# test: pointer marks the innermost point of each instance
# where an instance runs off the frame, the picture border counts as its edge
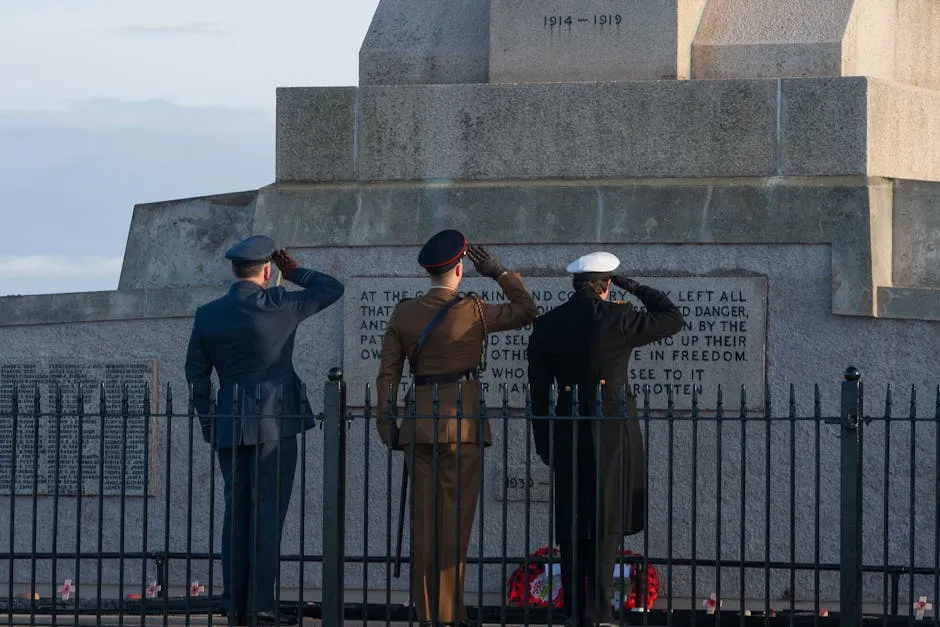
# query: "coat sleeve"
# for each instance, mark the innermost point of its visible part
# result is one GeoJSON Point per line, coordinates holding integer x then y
{"type": "Point", "coordinates": [391, 363]}
{"type": "Point", "coordinates": [661, 318]}
{"type": "Point", "coordinates": [320, 291]}
{"type": "Point", "coordinates": [520, 311]}
{"type": "Point", "coordinates": [540, 381]}
{"type": "Point", "coordinates": [198, 373]}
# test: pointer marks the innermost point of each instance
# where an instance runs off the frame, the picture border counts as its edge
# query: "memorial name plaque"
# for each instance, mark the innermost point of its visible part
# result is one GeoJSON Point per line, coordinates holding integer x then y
{"type": "Point", "coordinates": [589, 40]}
{"type": "Point", "coordinates": [93, 455]}
{"type": "Point", "coordinates": [722, 342]}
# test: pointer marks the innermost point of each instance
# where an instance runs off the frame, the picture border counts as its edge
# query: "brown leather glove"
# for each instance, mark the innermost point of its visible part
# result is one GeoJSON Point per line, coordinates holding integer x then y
{"type": "Point", "coordinates": [284, 262]}
{"type": "Point", "coordinates": [485, 262]}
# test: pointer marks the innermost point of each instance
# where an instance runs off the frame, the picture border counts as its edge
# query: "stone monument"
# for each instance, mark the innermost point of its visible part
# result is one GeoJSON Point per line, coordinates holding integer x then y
{"type": "Point", "coordinates": [776, 168]}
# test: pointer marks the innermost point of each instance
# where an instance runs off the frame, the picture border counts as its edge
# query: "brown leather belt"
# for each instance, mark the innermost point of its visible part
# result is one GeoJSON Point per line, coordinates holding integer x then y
{"type": "Point", "coordinates": [450, 377]}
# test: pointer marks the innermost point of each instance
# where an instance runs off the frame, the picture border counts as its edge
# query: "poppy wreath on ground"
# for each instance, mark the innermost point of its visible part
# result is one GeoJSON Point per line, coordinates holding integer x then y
{"type": "Point", "coordinates": [532, 581]}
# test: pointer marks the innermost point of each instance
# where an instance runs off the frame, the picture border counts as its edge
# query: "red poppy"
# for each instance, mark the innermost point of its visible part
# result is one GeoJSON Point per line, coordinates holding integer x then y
{"type": "Point", "coordinates": [532, 582]}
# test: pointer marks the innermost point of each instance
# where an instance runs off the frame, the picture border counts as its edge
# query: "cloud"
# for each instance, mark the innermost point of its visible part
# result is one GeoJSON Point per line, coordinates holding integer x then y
{"type": "Point", "coordinates": [58, 274]}
{"type": "Point", "coordinates": [191, 28]}
{"type": "Point", "coordinates": [71, 178]}
{"type": "Point", "coordinates": [62, 266]}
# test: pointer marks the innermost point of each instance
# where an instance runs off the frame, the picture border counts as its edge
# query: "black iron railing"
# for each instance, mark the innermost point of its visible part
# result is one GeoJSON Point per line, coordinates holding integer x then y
{"type": "Point", "coordinates": [800, 517]}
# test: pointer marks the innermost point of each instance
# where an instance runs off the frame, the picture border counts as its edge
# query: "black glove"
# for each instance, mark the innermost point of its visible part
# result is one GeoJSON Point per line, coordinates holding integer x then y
{"type": "Point", "coordinates": [625, 283]}
{"type": "Point", "coordinates": [485, 262]}
{"type": "Point", "coordinates": [284, 262]}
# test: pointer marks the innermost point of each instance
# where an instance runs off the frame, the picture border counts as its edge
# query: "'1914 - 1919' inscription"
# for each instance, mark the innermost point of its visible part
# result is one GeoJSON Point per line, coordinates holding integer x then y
{"type": "Point", "coordinates": [567, 21]}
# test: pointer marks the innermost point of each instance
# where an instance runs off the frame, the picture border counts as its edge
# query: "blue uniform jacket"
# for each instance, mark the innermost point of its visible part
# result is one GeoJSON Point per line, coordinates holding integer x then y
{"type": "Point", "coordinates": [247, 335]}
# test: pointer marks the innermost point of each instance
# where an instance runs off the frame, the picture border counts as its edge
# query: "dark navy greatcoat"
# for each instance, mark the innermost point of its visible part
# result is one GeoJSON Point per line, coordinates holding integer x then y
{"type": "Point", "coordinates": [247, 336]}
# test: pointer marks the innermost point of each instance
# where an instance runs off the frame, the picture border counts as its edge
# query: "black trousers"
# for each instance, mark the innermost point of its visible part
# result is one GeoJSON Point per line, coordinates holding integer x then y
{"type": "Point", "coordinates": [587, 574]}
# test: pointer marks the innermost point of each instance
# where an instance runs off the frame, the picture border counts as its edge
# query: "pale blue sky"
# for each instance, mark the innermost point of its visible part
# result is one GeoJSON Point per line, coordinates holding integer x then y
{"type": "Point", "coordinates": [108, 103]}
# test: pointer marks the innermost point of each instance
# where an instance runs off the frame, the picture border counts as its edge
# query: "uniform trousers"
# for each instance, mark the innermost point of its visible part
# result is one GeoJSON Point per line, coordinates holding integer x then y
{"type": "Point", "coordinates": [588, 584]}
{"type": "Point", "coordinates": [449, 539]}
{"type": "Point", "coordinates": [257, 480]}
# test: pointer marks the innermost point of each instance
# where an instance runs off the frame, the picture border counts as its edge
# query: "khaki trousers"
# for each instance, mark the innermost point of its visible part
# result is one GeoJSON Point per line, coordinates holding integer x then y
{"type": "Point", "coordinates": [449, 541]}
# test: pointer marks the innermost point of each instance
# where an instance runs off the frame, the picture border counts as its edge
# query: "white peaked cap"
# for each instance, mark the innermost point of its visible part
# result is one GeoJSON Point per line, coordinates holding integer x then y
{"type": "Point", "coordinates": [599, 262]}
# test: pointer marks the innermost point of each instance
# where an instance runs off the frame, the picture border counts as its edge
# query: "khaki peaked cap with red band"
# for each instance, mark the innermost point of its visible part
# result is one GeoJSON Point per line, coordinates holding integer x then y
{"type": "Point", "coordinates": [443, 251]}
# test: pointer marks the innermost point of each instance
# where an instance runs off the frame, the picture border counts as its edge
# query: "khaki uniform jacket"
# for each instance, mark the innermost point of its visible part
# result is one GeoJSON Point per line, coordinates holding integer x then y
{"type": "Point", "coordinates": [456, 344]}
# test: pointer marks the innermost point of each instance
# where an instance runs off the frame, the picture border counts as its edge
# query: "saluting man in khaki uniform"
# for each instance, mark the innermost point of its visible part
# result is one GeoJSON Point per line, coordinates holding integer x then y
{"type": "Point", "coordinates": [449, 357]}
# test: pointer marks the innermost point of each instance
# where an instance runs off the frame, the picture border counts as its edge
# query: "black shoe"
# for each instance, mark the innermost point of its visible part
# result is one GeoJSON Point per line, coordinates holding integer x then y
{"type": "Point", "coordinates": [269, 618]}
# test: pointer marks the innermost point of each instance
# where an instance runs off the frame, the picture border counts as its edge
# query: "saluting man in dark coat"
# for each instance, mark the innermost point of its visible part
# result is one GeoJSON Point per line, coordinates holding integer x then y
{"type": "Point", "coordinates": [449, 358]}
{"type": "Point", "coordinates": [247, 335]}
{"type": "Point", "coordinates": [587, 342]}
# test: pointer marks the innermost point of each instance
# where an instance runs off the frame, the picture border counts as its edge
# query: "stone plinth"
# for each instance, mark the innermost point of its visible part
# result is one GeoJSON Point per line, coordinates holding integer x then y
{"type": "Point", "coordinates": [781, 38]}
{"type": "Point", "coordinates": [426, 41]}
{"type": "Point", "coordinates": [594, 40]}
{"type": "Point", "coordinates": [821, 126]}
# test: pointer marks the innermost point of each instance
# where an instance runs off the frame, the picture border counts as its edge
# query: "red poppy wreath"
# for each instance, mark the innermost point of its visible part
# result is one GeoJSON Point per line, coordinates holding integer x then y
{"type": "Point", "coordinates": [532, 581]}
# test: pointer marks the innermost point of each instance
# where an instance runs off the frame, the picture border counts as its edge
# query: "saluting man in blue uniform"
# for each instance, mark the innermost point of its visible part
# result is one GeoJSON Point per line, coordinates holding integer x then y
{"type": "Point", "coordinates": [247, 335]}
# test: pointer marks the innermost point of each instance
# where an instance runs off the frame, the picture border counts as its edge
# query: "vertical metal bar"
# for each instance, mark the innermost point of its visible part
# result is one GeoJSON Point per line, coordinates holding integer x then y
{"type": "Point", "coordinates": [212, 435]}
{"type": "Point", "coordinates": [643, 588]}
{"type": "Point", "coordinates": [670, 481]}
{"type": "Point", "coordinates": [481, 411]}
{"type": "Point", "coordinates": [37, 416]}
{"type": "Point", "coordinates": [307, 412]}
{"type": "Point", "coordinates": [694, 548]}
{"type": "Point", "coordinates": [278, 479]}
{"type": "Point", "coordinates": [505, 539]}
{"type": "Point", "coordinates": [234, 601]}
{"type": "Point", "coordinates": [575, 536]}
{"type": "Point", "coordinates": [622, 456]}
{"type": "Point", "coordinates": [13, 493]}
{"type": "Point", "coordinates": [851, 511]}
{"type": "Point", "coordinates": [367, 418]}
{"type": "Point", "coordinates": [551, 502]}
{"type": "Point", "coordinates": [334, 478]}
{"type": "Point", "coordinates": [55, 492]}
{"type": "Point", "coordinates": [412, 413]}
{"type": "Point", "coordinates": [125, 416]}
{"type": "Point", "coordinates": [190, 420]}
{"type": "Point", "coordinates": [80, 416]}
{"type": "Point", "coordinates": [742, 537]}
{"type": "Point", "coordinates": [435, 506]}
{"type": "Point", "coordinates": [459, 556]}
{"type": "Point", "coordinates": [912, 502]}
{"type": "Point", "coordinates": [817, 421]}
{"type": "Point", "coordinates": [792, 414]}
{"type": "Point", "coordinates": [936, 493]}
{"type": "Point", "coordinates": [389, 415]}
{"type": "Point", "coordinates": [595, 432]}
{"type": "Point", "coordinates": [528, 503]}
{"type": "Point", "coordinates": [768, 431]}
{"type": "Point", "coordinates": [102, 414]}
{"type": "Point", "coordinates": [255, 511]}
{"type": "Point", "coordinates": [163, 581]}
{"type": "Point", "coordinates": [145, 500]}
{"type": "Point", "coordinates": [719, 419]}
{"type": "Point", "coordinates": [886, 506]}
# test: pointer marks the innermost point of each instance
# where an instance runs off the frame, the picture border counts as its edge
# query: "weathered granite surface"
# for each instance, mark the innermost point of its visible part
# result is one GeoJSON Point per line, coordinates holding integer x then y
{"type": "Point", "coordinates": [534, 41]}
{"type": "Point", "coordinates": [819, 126]}
{"type": "Point", "coordinates": [426, 42]}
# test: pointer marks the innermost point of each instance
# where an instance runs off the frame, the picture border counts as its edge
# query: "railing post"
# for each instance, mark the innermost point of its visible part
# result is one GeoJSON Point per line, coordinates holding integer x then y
{"type": "Point", "coordinates": [334, 497]}
{"type": "Point", "coordinates": [850, 581]}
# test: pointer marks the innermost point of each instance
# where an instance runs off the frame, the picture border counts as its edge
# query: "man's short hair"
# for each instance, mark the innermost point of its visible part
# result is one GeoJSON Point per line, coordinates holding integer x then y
{"type": "Point", "coordinates": [247, 269]}
{"type": "Point", "coordinates": [595, 285]}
